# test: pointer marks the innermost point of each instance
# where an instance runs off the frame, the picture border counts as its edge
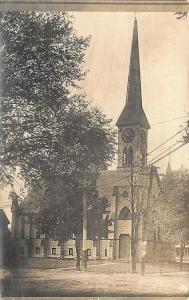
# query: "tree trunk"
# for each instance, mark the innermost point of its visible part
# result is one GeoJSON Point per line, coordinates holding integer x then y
{"type": "Point", "coordinates": [133, 255]}
{"type": "Point", "coordinates": [78, 253]}
{"type": "Point", "coordinates": [182, 247]}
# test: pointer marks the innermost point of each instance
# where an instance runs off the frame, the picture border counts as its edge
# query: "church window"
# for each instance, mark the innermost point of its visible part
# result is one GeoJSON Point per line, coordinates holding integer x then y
{"type": "Point", "coordinates": [70, 251]}
{"type": "Point", "coordinates": [125, 194]}
{"type": "Point", "coordinates": [88, 252]}
{"type": "Point", "coordinates": [37, 250]}
{"type": "Point", "coordinates": [53, 251]}
{"type": "Point", "coordinates": [124, 156]}
{"type": "Point", "coordinates": [125, 214]}
{"type": "Point", "coordinates": [106, 252]}
{"type": "Point", "coordinates": [130, 156]}
{"type": "Point", "coordinates": [143, 157]}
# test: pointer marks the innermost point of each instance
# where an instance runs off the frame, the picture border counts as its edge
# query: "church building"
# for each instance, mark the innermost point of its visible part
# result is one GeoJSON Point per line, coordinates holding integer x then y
{"type": "Point", "coordinates": [130, 189]}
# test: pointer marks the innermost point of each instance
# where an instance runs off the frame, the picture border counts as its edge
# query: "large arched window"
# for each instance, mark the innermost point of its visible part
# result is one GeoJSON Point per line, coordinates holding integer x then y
{"type": "Point", "coordinates": [128, 156]}
{"type": "Point", "coordinates": [125, 214]}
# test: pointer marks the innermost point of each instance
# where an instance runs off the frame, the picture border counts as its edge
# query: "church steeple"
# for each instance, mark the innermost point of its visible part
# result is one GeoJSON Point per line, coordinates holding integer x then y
{"type": "Point", "coordinates": [168, 170]}
{"type": "Point", "coordinates": [133, 113]}
{"type": "Point", "coordinates": [132, 123]}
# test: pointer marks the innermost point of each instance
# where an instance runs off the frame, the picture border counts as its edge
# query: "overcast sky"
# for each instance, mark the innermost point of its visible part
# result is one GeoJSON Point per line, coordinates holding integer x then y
{"type": "Point", "coordinates": [164, 59]}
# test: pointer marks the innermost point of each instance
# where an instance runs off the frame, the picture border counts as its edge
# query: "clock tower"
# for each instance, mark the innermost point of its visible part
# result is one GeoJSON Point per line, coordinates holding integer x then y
{"type": "Point", "coordinates": [132, 123]}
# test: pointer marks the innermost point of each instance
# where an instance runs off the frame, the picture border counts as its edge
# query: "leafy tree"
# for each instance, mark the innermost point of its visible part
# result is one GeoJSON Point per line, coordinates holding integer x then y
{"type": "Point", "coordinates": [50, 133]}
{"type": "Point", "coordinates": [98, 217]}
{"type": "Point", "coordinates": [171, 211]}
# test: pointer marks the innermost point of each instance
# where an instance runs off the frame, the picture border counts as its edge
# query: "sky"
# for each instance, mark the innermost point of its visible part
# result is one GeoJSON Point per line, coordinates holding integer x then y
{"type": "Point", "coordinates": [164, 60]}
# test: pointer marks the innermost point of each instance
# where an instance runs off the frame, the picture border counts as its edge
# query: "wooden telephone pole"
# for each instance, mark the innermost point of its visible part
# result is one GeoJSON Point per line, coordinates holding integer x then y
{"type": "Point", "coordinates": [133, 242]}
{"type": "Point", "coordinates": [84, 252]}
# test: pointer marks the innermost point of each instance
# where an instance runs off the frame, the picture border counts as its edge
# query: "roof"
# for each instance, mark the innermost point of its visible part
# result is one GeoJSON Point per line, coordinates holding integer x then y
{"type": "Point", "coordinates": [133, 113]}
{"type": "Point", "coordinates": [108, 180]}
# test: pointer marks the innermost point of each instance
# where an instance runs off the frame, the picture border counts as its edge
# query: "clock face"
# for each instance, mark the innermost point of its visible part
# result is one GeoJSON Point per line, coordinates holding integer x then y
{"type": "Point", "coordinates": [128, 135]}
{"type": "Point", "coordinates": [143, 136]}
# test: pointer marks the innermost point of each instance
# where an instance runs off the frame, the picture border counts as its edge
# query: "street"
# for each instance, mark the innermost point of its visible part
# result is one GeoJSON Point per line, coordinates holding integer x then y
{"type": "Point", "coordinates": [95, 282]}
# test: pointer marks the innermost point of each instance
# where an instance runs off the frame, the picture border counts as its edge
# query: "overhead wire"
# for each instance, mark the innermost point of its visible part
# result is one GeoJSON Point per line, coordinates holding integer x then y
{"type": "Point", "coordinates": [154, 162]}
{"type": "Point", "coordinates": [167, 149]}
{"type": "Point", "coordinates": [166, 121]}
{"type": "Point", "coordinates": [167, 140]}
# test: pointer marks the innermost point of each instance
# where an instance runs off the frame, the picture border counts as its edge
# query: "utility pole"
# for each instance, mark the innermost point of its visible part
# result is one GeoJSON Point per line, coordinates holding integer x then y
{"type": "Point", "coordinates": [84, 252]}
{"type": "Point", "coordinates": [133, 245]}
{"type": "Point", "coordinates": [146, 221]}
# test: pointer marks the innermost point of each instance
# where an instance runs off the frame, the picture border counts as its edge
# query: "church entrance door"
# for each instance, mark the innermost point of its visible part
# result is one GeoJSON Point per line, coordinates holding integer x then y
{"type": "Point", "coordinates": [124, 246]}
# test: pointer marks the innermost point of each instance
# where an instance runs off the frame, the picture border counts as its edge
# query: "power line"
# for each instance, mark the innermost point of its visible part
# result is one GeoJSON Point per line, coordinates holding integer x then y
{"type": "Point", "coordinates": [167, 149]}
{"type": "Point", "coordinates": [162, 122]}
{"type": "Point", "coordinates": [168, 153]}
{"type": "Point", "coordinates": [167, 140]}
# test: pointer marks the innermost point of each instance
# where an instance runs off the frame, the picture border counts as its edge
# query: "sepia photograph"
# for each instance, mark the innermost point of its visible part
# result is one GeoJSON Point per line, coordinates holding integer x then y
{"type": "Point", "coordinates": [94, 154]}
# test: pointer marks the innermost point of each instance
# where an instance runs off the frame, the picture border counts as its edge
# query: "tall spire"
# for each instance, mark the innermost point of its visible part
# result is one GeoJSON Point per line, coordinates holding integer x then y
{"type": "Point", "coordinates": [168, 170]}
{"type": "Point", "coordinates": [133, 113]}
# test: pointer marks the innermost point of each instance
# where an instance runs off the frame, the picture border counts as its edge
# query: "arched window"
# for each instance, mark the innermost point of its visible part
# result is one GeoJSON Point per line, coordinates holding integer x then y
{"type": "Point", "coordinates": [125, 214]}
{"type": "Point", "coordinates": [70, 251]}
{"type": "Point", "coordinates": [127, 156]}
{"type": "Point", "coordinates": [88, 252]}
{"type": "Point", "coordinates": [130, 156]}
{"type": "Point", "coordinates": [142, 156]}
{"type": "Point", "coordinates": [124, 156]}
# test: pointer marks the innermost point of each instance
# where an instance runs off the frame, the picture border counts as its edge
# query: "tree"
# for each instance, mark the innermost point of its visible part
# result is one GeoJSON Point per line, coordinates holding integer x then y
{"type": "Point", "coordinates": [181, 15]}
{"type": "Point", "coordinates": [98, 218]}
{"type": "Point", "coordinates": [171, 211]}
{"type": "Point", "coordinates": [50, 133]}
{"type": "Point", "coordinates": [141, 186]}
